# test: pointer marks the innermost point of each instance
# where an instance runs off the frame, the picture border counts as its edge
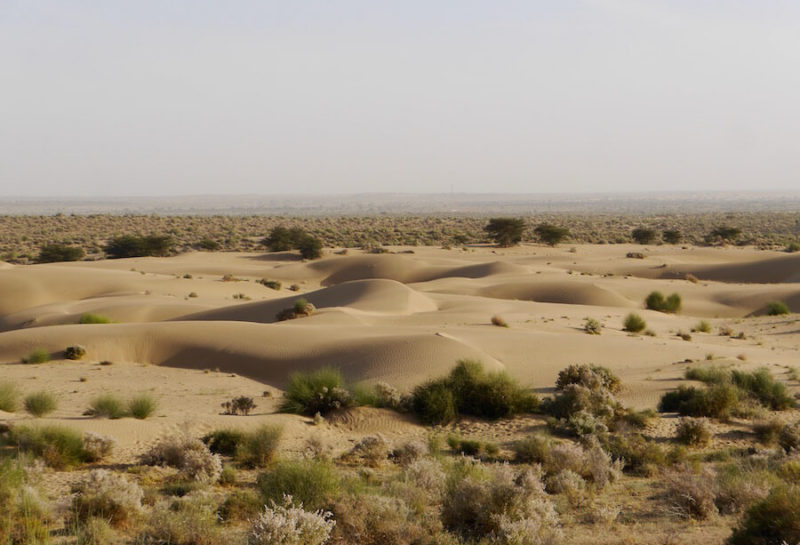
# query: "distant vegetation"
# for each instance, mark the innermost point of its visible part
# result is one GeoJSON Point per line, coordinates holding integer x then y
{"type": "Point", "coordinates": [139, 246]}
{"type": "Point", "coordinates": [282, 239]}
{"type": "Point", "coordinates": [551, 234]}
{"type": "Point", "coordinates": [51, 253]}
{"type": "Point", "coordinates": [643, 235]}
{"type": "Point", "coordinates": [505, 232]}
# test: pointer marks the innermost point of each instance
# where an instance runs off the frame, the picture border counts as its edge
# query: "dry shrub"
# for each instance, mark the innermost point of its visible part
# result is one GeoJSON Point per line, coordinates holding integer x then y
{"type": "Point", "coordinates": [768, 432]}
{"type": "Point", "coordinates": [288, 524]}
{"type": "Point", "coordinates": [371, 451]}
{"type": "Point", "coordinates": [191, 520]}
{"type": "Point", "coordinates": [499, 321]}
{"type": "Point", "coordinates": [378, 520]}
{"type": "Point", "coordinates": [691, 494]}
{"type": "Point", "coordinates": [570, 484]}
{"type": "Point", "coordinates": [499, 504]}
{"type": "Point", "coordinates": [740, 487]}
{"type": "Point", "coordinates": [694, 432]}
{"type": "Point", "coordinates": [96, 531]}
{"type": "Point", "coordinates": [534, 449]}
{"type": "Point", "coordinates": [189, 455]}
{"type": "Point", "coordinates": [789, 438]}
{"type": "Point", "coordinates": [97, 446]}
{"type": "Point", "coordinates": [106, 495]}
{"type": "Point", "coordinates": [410, 452]}
{"type": "Point", "coordinates": [566, 456]}
{"type": "Point", "coordinates": [426, 474]}
{"type": "Point", "coordinates": [600, 467]}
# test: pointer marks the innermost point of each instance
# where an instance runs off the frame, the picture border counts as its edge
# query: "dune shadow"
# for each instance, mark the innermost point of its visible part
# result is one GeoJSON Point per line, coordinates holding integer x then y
{"type": "Point", "coordinates": [276, 256]}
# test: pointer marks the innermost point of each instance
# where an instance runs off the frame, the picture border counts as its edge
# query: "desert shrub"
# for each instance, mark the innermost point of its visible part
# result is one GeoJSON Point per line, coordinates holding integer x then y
{"type": "Point", "coordinates": [575, 398]}
{"type": "Point", "coordinates": [570, 484]}
{"type": "Point", "coordinates": [643, 235]}
{"type": "Point", "coordinates": [310, 247]}
{"type": "Point", "coordinates": [24, 516]}
{"type": "Point", "coordinates": [410, 452]}
{"type": "Point", "coordinates": [767, 432]}
{"type": "Point", "coordinates": [764, 388]}
{"type": "Point", "coordinates": [426, 474]}
{"type": "Point", "coordinates": [723, 234]}
{"type": "Point", "coordinates": [637, 419]}
{"type": "Point", "coordinates": [469, 447]}
{"type": "Point", "coordinates": [551, 234]}
{"type": "Point", "coordinates": [95, 531]}
{"type": "Point", "coordinates": [106, 406]}
{"type": "Point", "coordinates": [656, 301]}
{"type": "Point", "coordinates": [271, 284]}
{"type": "Point", "coordinates": [190, 520]}
{"type": "Point", "coordinates": [299, 308]}
{"type": "Point", "coordinates": [55, 252]}
{"type": "Point", "coordinates": [534, 449]}
{"type": "Point", "coordinates": [702, 326]}
{"type": "Point", "coordinates": [9, 397]}
{"type": "Point", "coordinates": [108, 495]}
{"type": "Point", "coordinates": [371, 451]}
{"type": "Point", "coordinates": [599, 467]}
{"type": "Point", "coordinates": [142, 406]}
{"type": "Point", "coordinates": [239, 405]}
{"type": "Point", "coordinates": [139, 246]}
{"type": "Point", "coordinates": [208, 244]}
{"type": "Point", "coordinates": [190, 456]}
{"type": "Point", "coordinates": [499, 321]}
{"type": "Point", "coordinates": [715, 402]}
{"type": "Point", "coordinates": [96, 447]}
{"type": "Point", "coordinates": [505, 232]}
{"type": "Point", "coordinates": [777, 308]}
{"type": "Point", "coordinates": [591, 376]}
{"type": "Point", "coordinates": [90, 318]}
{"type": "Point", "coordinates": [694, 432]}
{"type": "Point", "coordinates": [671, 236]}
{"type": "Point", "coordinates": [792, 247]}
{"type": "Point", "coordinates": [773, 520]}
{"type": "Point", "coordinates": [739, 486]}
{"type": "Point", "coordinates": [74, 352]}
{"type": "Point", "coordinates": [40, 403]}
{"type": "Point", "coordinates": [372, 519]}
{"type": "Point", "coordinates": [313, 483]}
{"type": "Point", "coordinates": [434, 403]}
{"type": "Point", "coordinates": [789, 439]}
{"type": "Point", "coordinates": [640, 456]}
{"type": "Point", "coordinates": [320, 391]}
{"type": "Point", "coordinates": [498, 503]}
{"type": "Point", "coordinates": [58, 446]}
{"type": "Point", "coordinates": [282, 239]}
{"type": "Point", "coordinates": [37, 355]}
{"type": "Point", "coordinates": [240, 505]}
{"type": "Point", "coordinates": [387, 396]}
{"type": "Point", "coordinates": [592, 326]}
{"type": "Point", "coordinates": [224, 441]}
{"type": "Point", "coordinates": [691, 493]}
{"type": "Point", "coordinates": [258, 447]}
{"type": "Point", "coordinates": [634, 323]}
{"type": "Point", "coordinates": [709, 375]}
{"type": "Point", "coordinates": [290, 524]}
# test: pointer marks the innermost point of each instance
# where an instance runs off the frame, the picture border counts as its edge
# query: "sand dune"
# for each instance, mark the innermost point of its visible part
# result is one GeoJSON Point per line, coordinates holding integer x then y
{"type": "Point", "coordinates": [571, 293]}
{"type": "Point", "coordinates": [771, 270]}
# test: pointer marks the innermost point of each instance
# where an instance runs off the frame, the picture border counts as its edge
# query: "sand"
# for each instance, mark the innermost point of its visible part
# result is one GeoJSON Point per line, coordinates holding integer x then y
{"type": "Point", "coordinates": [194, 340]}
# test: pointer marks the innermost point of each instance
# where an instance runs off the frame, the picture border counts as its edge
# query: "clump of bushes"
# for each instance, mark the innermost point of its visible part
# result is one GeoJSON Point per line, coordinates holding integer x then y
{"type": "Point", "coordinates": [301, 307]}
{"type": "Point", "coordinates": [590, 376]}
{"type": "Point", "coordinates": [320, 391]}
{"type": "Point", "coordinates": [107, 495]}
{"type": "Point", "coordinates": [74, 352]}
{"type": "Point", "coordinates": [772, 520]}
{"type": "Point", "coordinates": [777, 308]}
{"type": "Point", "coordinates": [470, 390]}
{"type": "Point", "coordinates": [694, 432]}
{"type": "Point", "coordinates": [239, 405]}
{"type": "Point", "coordinates": [139, 246]}
{"type": "Point", "coordinates": [58, 446]}
{"type": "Point", "coordinates": [40, 403]}
{"type": "Point", "coordinates": [189, 455]}
{"type": "Point", "coordinates": [691, 493]}
{"type": "Point", "coordinates": [56, 252]}
{"type": "Point", "coordinates": [715, 402]}
{"type": "Point", "coordinates": [634, 323]}
{"type": "Point", "coordinates": [282, 239]}
{"type": "Point", "coordinates": [656, 301]}
{"type": "Point", "coordinates": [290, 524]}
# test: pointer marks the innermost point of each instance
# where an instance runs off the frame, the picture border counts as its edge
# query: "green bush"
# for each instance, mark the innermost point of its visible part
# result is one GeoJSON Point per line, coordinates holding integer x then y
{"type": "Point", "coordinates": [694, 432]}
{"type": "Point", "coordinates": [534, 449]}
{"type": "Point", "coordinates": [106, 406]}
{"type": "Point", "coordinates": [55, 252]}
{"type": "Point", "coordinates": [311, 482]}
{"type": "Point", "coordinates": [9, 397]}
{"type": "Point", "coordinates": [771, 521]}
{"type": "Point", "coordinates": [90, 318]}
{"type": "Point", "coordinates": [320, 391]}
{"type": "Point", "coordinates": [763, 387]}
{"type": "Point", "coordinates": [590, 376]}
{"type": "Point", "coordinates": [642, 456]}
{"type": "Point", "coordinates": [142, 406]}
{"type": "Point", "coordinates": [469, 390]}
{"type": "Point", "coordinates": [656, 301]}
{"type": "Point", "coordinates": [634, 323]}
{"type": "Point", "coordinates": [37, 355]}
{"type": "Point", "coordinates": [702, 326]}
{"type": "Point", "coordinates": [59, 447]}
{"type": "Point", "coordinates": [777, 308]}
{"type": "Point", "coordinates": [281, 239]}
{"type": "Point", "coordinates": [40, 403]}
{"type": "Point", "coordinates": [709, 375]}
{"type": "Point", "coordinates": [714, 402]}
{"type": "Point", "coordinates": [551, 234]}
{"type": "Point", "coordinates": [258, 447]}
{"type": "Point", "coordinates": [139, 246]}
{"type": "Point", "coordinates": [224, 441]}
{"type": "Point", "coordinates": [505, 232]}
{"type": "Point", "coordinates": [310, 247]}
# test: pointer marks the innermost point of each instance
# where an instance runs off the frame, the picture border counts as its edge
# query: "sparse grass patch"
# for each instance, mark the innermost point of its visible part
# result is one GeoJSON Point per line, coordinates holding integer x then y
{"type": "Point", "coordinates": [106, 406]}
{"type": "Point", "coordinates": [90, 318]}
{"type": "Point", "coordinates": [592, 326]}
{"type": "Point", "coordinates": [142, 406]}
{"type": "Point", "coordinates": [768, 432]}
{"type": "Point", "coordinates": [258, 447]}
{"type": "Point", "coordinates": [777, 308]}
{"type": "Point", "coordinates": [37, 355]}
{"type": "Point", "coordinates": [702, 327]}
{"type": "Point", "coordinates": [312, 482]}
{"type": "Point", "coordinates": [58, 446]}
{"type": "Point", "coordinates": [40, 403]}
{"type": "Point", "coordinates": [9, 397]}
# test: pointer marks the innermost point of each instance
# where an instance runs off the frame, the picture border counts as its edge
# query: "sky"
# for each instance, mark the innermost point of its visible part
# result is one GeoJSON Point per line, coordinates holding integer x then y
{"type": "Point", "coordinates": [152, 97]}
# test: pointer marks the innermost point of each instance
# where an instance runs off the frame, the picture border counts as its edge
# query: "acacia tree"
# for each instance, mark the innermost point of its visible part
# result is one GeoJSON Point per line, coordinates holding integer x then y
{"type": "Point", "coordinates": [643, 235]}
{"type": "Point", "coordinates": [671, 236]}
{"type": "Point", "coordinates": [551, 234]}
{"type": "Point", "coordinates": [505, 231]}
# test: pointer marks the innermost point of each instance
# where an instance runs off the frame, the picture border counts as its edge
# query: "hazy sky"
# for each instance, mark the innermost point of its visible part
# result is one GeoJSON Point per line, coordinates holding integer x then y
{"type": "Point", "coordinates": [141, 97]}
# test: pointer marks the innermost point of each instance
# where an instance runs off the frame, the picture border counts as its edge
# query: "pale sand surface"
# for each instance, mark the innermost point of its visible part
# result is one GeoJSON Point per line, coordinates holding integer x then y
{"type": "Point", "coordinates": [399, 317]}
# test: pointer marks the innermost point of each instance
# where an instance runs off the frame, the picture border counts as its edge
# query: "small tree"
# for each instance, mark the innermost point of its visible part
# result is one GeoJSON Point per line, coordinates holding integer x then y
{"type": "Point", "coordinates": [505, 231]}
{"type": "Point", "coordinates": [551, 234]}
{"type": "Point", "coordinates": [280, 239]}
{"type": "Point", "coordinates": [139, 246]}
{"type": "Point", "coordinates": [310, 247]}
{"type": "Point", "coordinates": [643, 235]}
{"type": "Point", "coordinates": [672, 236]}
{"type": "Point", "coordinates": [52, 253]}
{"type": "Point", "coordinates": [724, 234]}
